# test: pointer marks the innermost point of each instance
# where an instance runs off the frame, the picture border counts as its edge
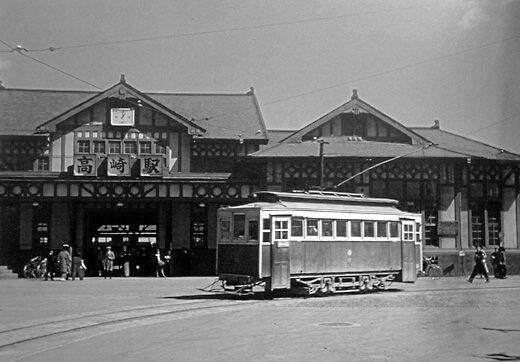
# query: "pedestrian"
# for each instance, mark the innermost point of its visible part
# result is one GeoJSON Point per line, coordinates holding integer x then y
{"type": "Point", "coordinates": [64, 262]}
{"type": "Point", "coordinates": [78, 266]}
{"type": "Point", "coordinates": [480, 265]}
{"type": "Point", "coordinates": [495, 264]}
{"type": "Point", "coordinates": [159, 266]}
{"type": "Point", "coordinates": [49, 268]}
{"type": "Point", "coordinates": [168, 259]}
{"type": "Point", "coordinates": [100, 258]}
{"type": "Point", "coordinates": [126, 261]}
{"type": "Point", "coordinates": [501, 263]}
{"type": "Point", "coordinates": [108, 262]}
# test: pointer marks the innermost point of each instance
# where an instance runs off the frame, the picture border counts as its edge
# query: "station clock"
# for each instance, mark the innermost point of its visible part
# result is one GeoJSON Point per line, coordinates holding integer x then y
{"type": "Point", "coordinates": [122, 116]}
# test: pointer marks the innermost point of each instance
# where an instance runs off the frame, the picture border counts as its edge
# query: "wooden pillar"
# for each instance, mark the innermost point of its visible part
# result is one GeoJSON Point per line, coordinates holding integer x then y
{"type": "Point", "coordinates": [80, 229]}
{"type": "Point", "coordinates": [212, 225]}
{"type": "Point", "coordinates": [26, 226]}
{"type": "Point", "coordinates": [161, 226]}
{"type": "Point", "coordinates": [60, 224]}
{"type": "Point", "coordinates": [180, 221]}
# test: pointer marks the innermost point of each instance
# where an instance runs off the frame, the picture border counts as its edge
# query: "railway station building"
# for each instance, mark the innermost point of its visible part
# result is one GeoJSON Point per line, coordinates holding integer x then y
{"type": "Point", "coordinates": [147, 170]}
{"type": "Point", "coordinates": [122, 167]}
{"type": "Point", "coordinates": [467, 191]}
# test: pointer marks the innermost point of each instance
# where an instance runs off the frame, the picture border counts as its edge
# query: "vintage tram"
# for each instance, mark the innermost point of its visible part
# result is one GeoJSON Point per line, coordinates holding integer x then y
{"type": "Point", "coordinates": [316, 241]}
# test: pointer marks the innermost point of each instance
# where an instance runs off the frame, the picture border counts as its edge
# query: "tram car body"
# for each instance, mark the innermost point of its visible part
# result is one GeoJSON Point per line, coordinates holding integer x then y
{"type": "Point", "coordinates": [316, 242]}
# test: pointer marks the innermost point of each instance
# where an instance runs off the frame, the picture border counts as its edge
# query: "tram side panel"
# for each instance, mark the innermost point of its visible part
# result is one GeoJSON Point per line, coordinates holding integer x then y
{"type": "Point", "coordinates": [319, 257]}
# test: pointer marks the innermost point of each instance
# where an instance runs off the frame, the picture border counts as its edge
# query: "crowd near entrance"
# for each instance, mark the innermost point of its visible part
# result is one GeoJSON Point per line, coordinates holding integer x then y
{"type": "Point", "coordinates": [131, 234]}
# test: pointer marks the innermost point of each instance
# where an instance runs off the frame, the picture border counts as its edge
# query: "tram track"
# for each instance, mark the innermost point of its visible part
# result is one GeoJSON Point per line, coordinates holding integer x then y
{"type": "Point", "coordinates": [51, 334]}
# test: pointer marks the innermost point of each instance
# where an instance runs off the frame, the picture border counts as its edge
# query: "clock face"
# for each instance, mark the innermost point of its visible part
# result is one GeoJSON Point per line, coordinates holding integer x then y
{"type": "Point", "coordinates": [122, 116]}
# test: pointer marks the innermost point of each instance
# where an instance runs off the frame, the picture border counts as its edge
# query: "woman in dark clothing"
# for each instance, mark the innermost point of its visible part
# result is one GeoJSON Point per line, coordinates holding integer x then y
{"type": "Point", "coordinates": [49, 273]}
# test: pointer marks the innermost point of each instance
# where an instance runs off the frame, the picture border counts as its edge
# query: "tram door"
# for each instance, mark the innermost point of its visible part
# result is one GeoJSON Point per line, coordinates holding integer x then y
{"type": "Point", "coordinates": [408, 251]}
{"type": "Point", "coordinates": [280, 265]}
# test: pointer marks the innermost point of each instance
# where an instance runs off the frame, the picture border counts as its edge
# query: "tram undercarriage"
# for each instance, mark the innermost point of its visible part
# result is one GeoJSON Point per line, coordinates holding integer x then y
{"type": "Point", "coordinates": [304, 285]}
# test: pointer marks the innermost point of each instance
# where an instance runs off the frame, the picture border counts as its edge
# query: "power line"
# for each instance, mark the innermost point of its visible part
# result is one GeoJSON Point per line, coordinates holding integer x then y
{"type": "Point", "coordinates": [389, 71]}
{"type": "Point", "coordinates": [216, 31]}
{"type": "Point", "coordinates": [61, 71]}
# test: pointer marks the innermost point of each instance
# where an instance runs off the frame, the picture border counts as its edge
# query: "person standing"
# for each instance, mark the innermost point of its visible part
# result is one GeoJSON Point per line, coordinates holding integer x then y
{"type": "Point", "coordinates": [126, 261]}
{"type": "Point", "coordinates": [64, 262]}
{"type": "Point", "coordinates": [108, 262]}
{"type": "Point", "coordinates": [501, 263]}
{"type": "Point", "coordinates": [78, 266]}
{"type": "Point", "coordinates": [159, 264]}
{"type": "Point", "coordinates": [49, 272]}
{"type": "Point", "coordinates": [480, 265]}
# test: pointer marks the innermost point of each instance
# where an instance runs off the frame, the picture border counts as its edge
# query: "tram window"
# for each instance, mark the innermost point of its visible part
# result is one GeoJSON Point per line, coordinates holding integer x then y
{"type": "Point", "coordinates": [355, 228]}
{"type": "Point", "coordinates": [281, 229]}
{"type": "Point", "coordinates": [266, 233]}
{"type": "Point", "coordinates": [394, 229]}
{"type": "Point", "coordinates": [369, 229]}
{"type": "Point", "coordinates": [408, 231]}
{"type": "Point", "coordinates": [297, 227]}
{"type": "Point", "coordinates": [239, 227]}
{"type": "Point", "coordinates": [312, 227]}
{"type": "Point", "coordinates": [382, 231]}
{"type": "Point", "coordinates": [341, 228]}
{"type": "Point", "coordinates": [253, 230]}
{"type": "Point", "coordinates": [326, 228]}
{"type": "Point", "coordinates": [224, 229]}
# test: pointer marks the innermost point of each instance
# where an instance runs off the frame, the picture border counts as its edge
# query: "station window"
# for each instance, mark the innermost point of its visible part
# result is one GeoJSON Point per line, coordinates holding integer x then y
{"type": "Point", "coordinates": [239, 227]}
{"type": "Point", "coordinates": [312, 227]}
{"type": "Point", "coordinates": [114, 147]}
{"type": "Point", "coordinates": [394, 229]}
{"type": "Point", "coordinates": [326, 228]}
{"type": "Point", "coordinates": [99, 147]}
{"type": "Point", "coordinates": [417, 231]}
{"type": "Point", "coordinates": [266, 231]}
{"type": "Point", "coordinates": [83, 146]}
{"type": "Point", "coordinates": [408, 231]}
{"type": "Point", "coordinates": [297, 227]}
{"type": "Point", "coordinates": [369, 229]}
{"type": "Point", "coordinates": [281, 229]}
{"type": "Point", "coordinates": [355, 228]}
{"type": "Point", "coordinates": [224, 229]}
{"type": "Point", "coordinates": [130, 147]}
{"type": "Point", "coordinates": [253, 230]}
{"type": "Point", "coordinates": [382, 231]}
{"type": "Point", "coordinates": [341, 228]}
{"type": "Point", "coordinates": [145, 147]}
{"type": "Point", "coordinates": [42, 164]}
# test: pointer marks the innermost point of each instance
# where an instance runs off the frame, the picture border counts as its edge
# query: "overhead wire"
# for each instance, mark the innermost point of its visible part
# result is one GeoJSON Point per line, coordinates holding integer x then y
{"type": "Point", "coordinates": [216, 31]}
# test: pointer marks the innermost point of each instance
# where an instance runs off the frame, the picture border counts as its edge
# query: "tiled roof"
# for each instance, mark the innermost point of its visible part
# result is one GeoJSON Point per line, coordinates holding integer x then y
{"type": "Point", "coordinates": [350, 147]}
{"type": "Point", "coordinates": [222, 115]}
{"type": "Point", "coordinates": [463, 145]}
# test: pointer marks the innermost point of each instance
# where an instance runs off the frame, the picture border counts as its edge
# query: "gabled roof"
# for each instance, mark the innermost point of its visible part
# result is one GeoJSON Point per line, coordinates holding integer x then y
{"type": "Point", "coordinates": [219, 116]}
{"type": "Point", "coordinates": [355, 102]}
{"type": "Point", "coordinates": [120, 90]}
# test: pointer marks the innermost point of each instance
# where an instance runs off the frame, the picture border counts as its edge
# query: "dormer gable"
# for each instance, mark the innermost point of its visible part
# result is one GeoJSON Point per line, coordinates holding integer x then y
{"type": "Point", "coordinates": [357, 119]}
{"type": "Point", "coordinates": [122, 96]}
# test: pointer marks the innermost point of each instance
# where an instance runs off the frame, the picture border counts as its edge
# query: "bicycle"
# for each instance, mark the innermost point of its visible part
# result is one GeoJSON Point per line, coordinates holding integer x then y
{"type": "Point", "coordinates": [432, 270]}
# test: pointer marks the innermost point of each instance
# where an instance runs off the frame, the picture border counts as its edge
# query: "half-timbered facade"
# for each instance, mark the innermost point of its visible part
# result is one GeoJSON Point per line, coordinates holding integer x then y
{"type": "Point", "coordinates": [468, 192]}
{"type": "Point", "coordinates": [122, 167]}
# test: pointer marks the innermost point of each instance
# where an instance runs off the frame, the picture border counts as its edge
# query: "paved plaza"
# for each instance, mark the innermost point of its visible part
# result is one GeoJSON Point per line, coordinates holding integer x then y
{"type": "Point", "coordinates": [170, 319]}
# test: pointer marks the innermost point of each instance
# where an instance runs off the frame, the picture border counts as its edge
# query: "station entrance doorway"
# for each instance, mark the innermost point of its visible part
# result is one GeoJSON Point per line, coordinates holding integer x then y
{"type": "Point", "coordinates": [132, 234]}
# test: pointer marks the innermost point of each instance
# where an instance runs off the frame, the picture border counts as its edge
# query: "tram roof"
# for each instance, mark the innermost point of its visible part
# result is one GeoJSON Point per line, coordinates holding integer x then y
{"type": "Point", "coordinates": [315, 207]}
{"type": "Point", "coordinates": [321, 197]}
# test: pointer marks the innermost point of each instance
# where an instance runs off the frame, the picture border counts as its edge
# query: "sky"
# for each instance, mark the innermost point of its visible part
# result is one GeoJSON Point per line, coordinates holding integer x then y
{"type": "Point", "coordinates": [456, 61]}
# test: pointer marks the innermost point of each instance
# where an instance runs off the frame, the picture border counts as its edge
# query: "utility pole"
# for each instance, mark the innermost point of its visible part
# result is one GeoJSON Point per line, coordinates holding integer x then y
{"type": "Point", "coordinates": [322, 164]}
